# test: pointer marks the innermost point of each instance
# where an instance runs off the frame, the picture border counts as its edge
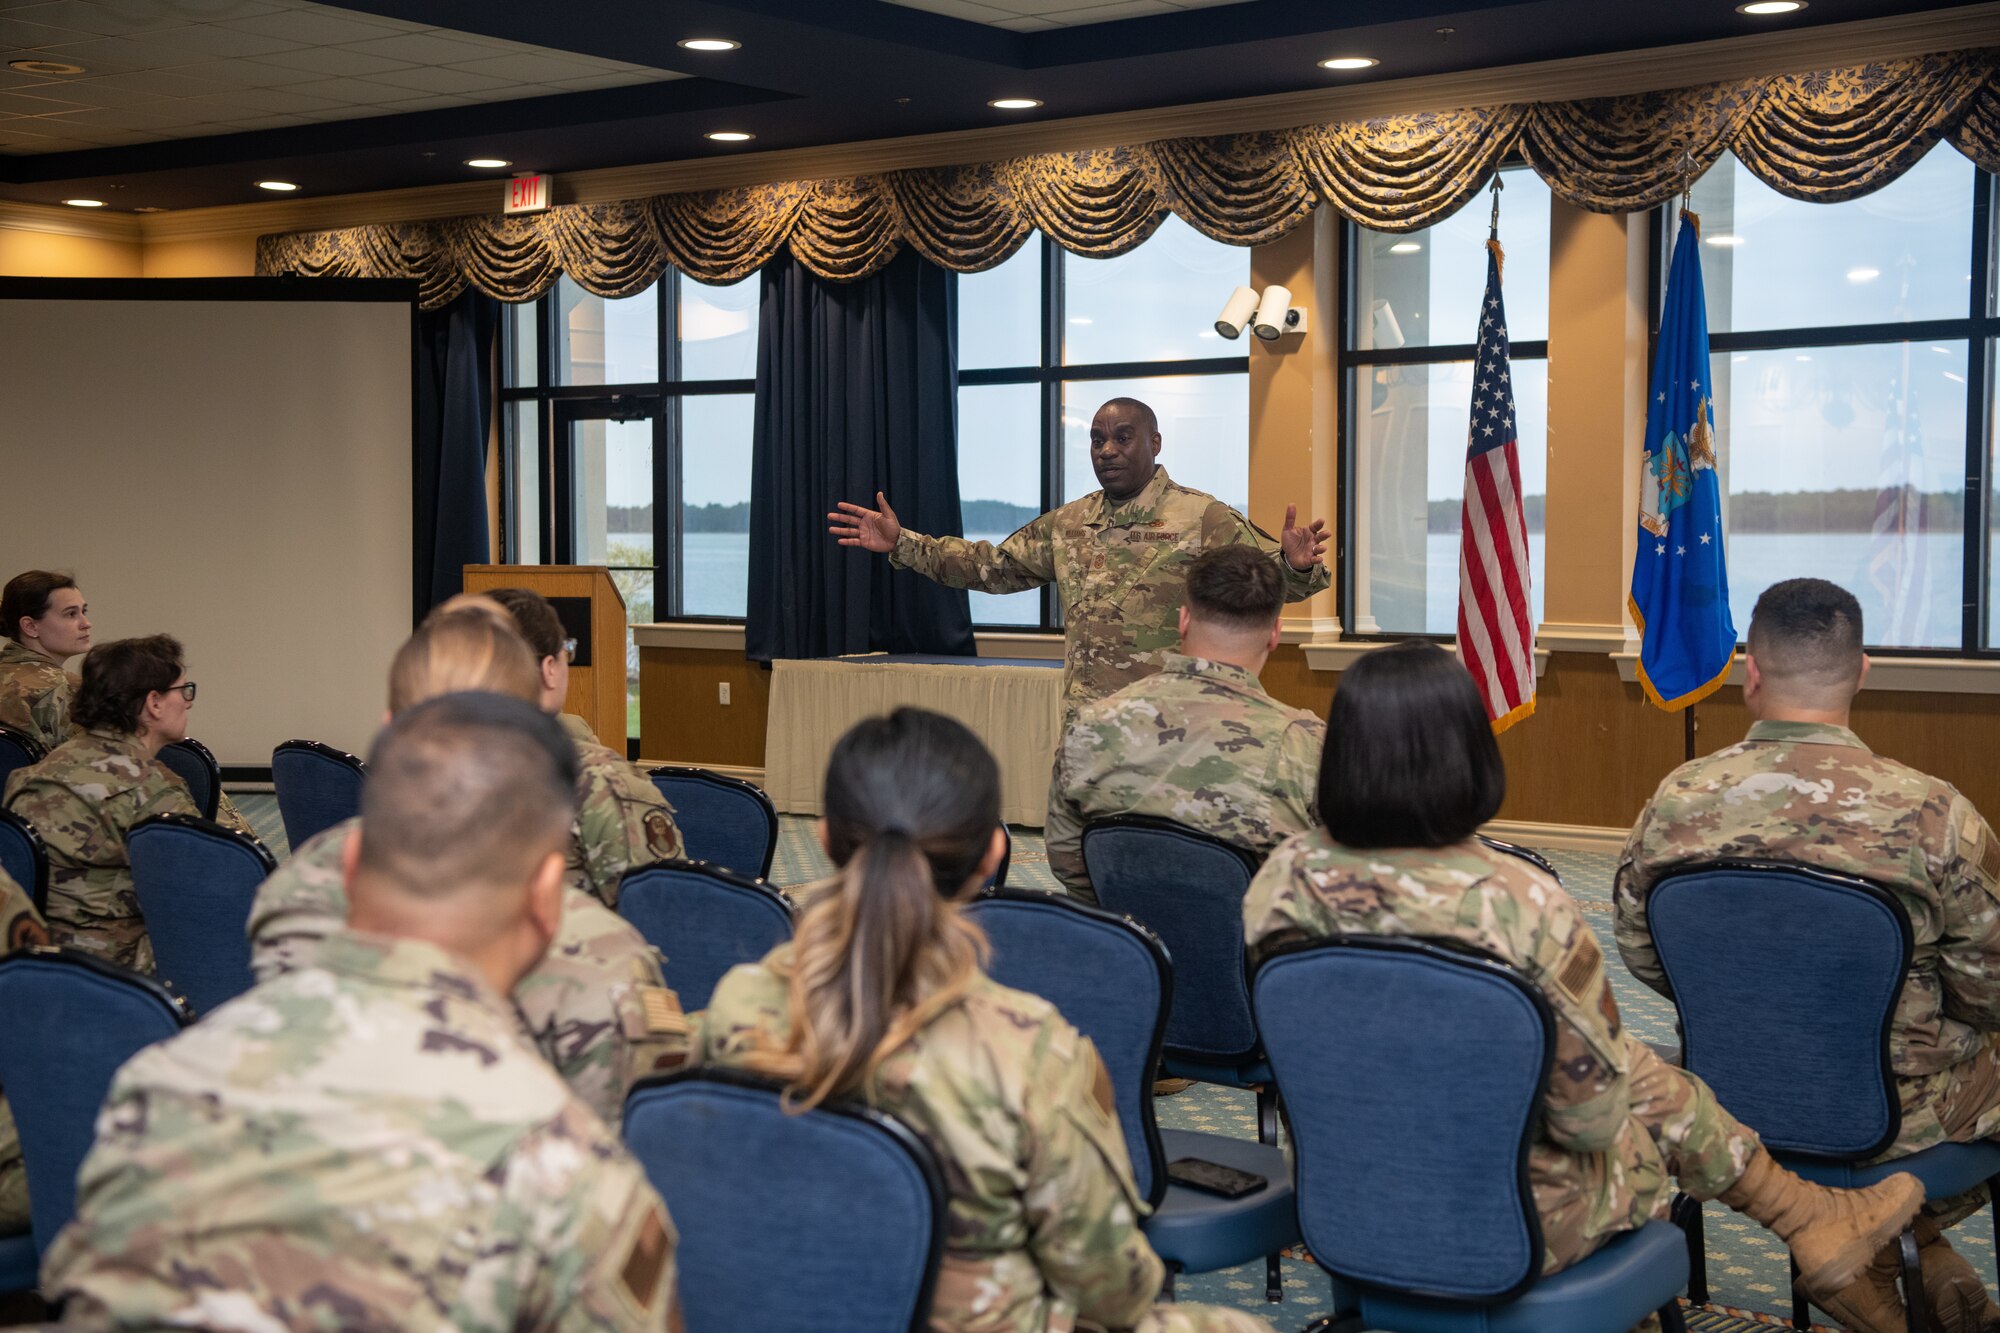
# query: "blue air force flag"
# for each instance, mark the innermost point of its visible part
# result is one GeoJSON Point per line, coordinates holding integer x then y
{"type": "Point", "coordinates": [1680, 589]}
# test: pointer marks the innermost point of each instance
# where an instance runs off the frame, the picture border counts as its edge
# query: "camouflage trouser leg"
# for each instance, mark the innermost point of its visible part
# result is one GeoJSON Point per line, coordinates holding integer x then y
{"type": "Point", "coordinates": [1955, 1105]}
{"type": "Point", "coordinates": [13, 1177]}
{"type": "Point", "coordinates": [1196, 1319]}
{"type": "Point", "coordinates": [123, 941]}
{"type": "Point", "coordinates": [1704, 1146]}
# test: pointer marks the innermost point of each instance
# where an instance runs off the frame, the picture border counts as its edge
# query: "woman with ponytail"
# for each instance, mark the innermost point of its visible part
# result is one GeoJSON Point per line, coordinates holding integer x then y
{"type": "Point", "coordinates": [880, 996]}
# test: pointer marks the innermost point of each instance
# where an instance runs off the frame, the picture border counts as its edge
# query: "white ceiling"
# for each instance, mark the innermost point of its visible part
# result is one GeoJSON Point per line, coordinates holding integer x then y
{"type": "Point", "coordinates": [1041, 15]}
{"type": "Point", "coordinates": [177, 69]}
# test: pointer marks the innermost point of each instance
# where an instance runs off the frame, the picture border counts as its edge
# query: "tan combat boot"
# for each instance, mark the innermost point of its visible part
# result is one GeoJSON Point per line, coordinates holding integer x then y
{"type": "Point", "coordinates": [1953, 1289]}
{"type": "Point", "coordinates": [1833, 1233]}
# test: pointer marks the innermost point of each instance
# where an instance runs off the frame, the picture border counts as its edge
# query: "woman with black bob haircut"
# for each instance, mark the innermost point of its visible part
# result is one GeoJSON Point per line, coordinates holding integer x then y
{"type": "Point", "coordinates": [879, 996]}
{"type": "Point", "coordinates": [1409, 773]}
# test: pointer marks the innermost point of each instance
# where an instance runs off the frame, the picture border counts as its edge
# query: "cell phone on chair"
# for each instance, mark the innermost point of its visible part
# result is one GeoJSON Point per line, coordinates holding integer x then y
{"type": "Point", "coordinates": [1214, 1177]}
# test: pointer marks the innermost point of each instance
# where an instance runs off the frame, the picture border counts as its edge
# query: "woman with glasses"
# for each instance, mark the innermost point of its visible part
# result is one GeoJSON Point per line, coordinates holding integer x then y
{"type": "Point", "coordinates": [90, 790]}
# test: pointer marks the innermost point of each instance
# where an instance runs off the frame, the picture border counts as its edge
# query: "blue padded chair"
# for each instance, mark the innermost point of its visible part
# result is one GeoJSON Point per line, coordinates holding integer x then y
{"type": "Point", "coordinates": [1533, 858]}
{"type": "Point", "coordinates": [20, 1264]}
{"type": "Point", "coordinates": [24, 858]}
{"type": "Point", "coordinates": [196, 880]}
{"type": "Point", "coordinates": [704, 920]}
{"type": "Point", "coordinates": [318, 787]}
{"type": "Point", "coordinates": [89, 1017]}
{"type": "Point", "coordinates": [1405, 1064]}
{"type": "Point", "coordinates": [724, 821]}
{"type": "Point", "coordinates": [1786, 980]}
{"type": "Point", "coordinates": [17, 750]}
{"type": "Point", "coordinates": [1188, 888]}
{"type": "Point", "coordinates": [850, 1198]}
{"type": "Point", "coordinates": [193, 764]}
{"type": "Point", "coordinates": [1111, 978]}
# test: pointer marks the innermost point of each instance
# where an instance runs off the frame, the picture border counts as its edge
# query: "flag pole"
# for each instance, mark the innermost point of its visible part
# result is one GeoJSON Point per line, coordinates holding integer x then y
{"type": "Point", "coordinates": [1687, 714]}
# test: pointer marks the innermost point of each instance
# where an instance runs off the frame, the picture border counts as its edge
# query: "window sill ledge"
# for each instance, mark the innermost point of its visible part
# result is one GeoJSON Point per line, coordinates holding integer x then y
{"type": "Point", "coordinates": [728, 638]}
{"type": "Point", "coordinates": [1890, 675]}
{"type": "Point", "coordinates": [1338, 655]}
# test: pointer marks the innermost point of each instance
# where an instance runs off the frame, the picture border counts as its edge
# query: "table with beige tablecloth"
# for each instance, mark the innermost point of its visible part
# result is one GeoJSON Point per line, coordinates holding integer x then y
{"type": "Point", "coordinates": [1014, 705]}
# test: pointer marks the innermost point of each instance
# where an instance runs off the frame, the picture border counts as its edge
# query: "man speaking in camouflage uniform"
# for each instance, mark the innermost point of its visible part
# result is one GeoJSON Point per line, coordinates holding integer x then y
{"type": "Point", "coordinates": [1199, 743]}
{"type": "Point", "coordinates": [1803, 787]}
{"type": "Point", "coordinates": [367, 1143]}
{"type": "Point", "coordinates": [1118, 556]}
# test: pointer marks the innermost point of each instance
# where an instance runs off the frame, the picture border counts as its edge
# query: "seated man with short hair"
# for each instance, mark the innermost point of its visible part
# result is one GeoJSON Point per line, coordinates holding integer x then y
{"type": "Point", "coordinates": [1803, 787]}
{"type": "Point", "coordinates": [1200, 743]}
{"type": "Point", "coordinates": [367, 1142]}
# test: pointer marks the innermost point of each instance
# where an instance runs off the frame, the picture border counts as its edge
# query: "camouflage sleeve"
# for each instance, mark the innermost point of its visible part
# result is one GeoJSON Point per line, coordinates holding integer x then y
{"type": "Point", "coordinates": [167, 795]}
{"type": "Point", "coordinates": [50, 714]}
{"type": "Point", "coordinates": [1295, 785]}
{"type": "Point", "coordinates": [1082, 1207]}
{"type": "Point", "coordinates": [1969, 941]}
{"type": "Point", "coordinates": [1024, 560]}
{"type": "Point", "coordinates": [303, 902]}
{"type": "Point", "coordinates": [1629, 888]}
{"type": "Point", "coordinates": [227, 815]}
{"type": "Point", "coordinates": [1062, 836]}
{"type": "Point", "coordinates": [20, 924]}
{"type": "Point", "coordinates": [1589, 1097]}
{"type": "Point", "coordinates": [1280, 908]}
{"type": "Point", "coordinates": [622, 821]}
{"type": "Point", "coordinates": [1223, 526]}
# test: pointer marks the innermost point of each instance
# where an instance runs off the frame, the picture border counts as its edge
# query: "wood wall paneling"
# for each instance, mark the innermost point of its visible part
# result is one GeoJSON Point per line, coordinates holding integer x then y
{"type": "Point", "coordinates": [681, 719]}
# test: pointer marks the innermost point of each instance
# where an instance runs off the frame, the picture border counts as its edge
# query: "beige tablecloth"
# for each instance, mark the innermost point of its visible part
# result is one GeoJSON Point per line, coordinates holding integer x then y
{"type": "Point", "coordinates": [1016, 710]}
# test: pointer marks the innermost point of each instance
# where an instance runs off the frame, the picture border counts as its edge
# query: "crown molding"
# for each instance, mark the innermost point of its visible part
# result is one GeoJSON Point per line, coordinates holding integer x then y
{"type": "Point", "coordinates": [55, 220]}
{"type": "Point", "coordinates": [1607, 75]}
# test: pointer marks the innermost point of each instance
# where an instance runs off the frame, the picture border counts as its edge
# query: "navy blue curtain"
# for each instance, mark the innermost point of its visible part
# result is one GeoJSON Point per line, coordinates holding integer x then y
{"type": "Point", "coordinates": [454, 415]}
{"type": "Point", "coordinates": [857, 391]}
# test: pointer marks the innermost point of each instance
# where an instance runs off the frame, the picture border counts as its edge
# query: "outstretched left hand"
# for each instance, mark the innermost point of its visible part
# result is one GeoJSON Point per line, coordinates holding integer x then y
{"type": "Point", "coordinates": [1303, 547]}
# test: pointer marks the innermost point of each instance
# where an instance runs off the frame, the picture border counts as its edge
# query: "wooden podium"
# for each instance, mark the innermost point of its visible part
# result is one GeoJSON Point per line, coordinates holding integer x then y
{"type": "Point", "coordinates": [593, 613]}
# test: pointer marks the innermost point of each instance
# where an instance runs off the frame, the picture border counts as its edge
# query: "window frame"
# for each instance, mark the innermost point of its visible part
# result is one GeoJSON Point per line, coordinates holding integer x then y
{"type": "Point", "coordinates": [1050, 374]}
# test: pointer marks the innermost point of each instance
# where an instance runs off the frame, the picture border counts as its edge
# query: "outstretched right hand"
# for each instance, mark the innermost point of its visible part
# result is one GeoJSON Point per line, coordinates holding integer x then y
{"type": "Point", "coordinates": [871, 529]}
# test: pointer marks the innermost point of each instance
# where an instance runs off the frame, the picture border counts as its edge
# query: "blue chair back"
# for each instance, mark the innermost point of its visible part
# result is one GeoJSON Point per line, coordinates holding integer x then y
{"type": "Point", "coordinates": [1413, 1075]}
{"type": "Point", "coordinates": [1786, 979]}
{"type": "Point", "coordinates": [724, 821]}
{"type": "Point", "coordinates": [1188, 889]}
{"type": "Point", "coordinates": [1110, 977]}
{"type": "Point", "coordinates": [851, 1198]}
{"type": "Point", "coordinates": [1533, 858]}
{"type": "Point", "coordinates": [318, 787]}
{"type": "Point", "coordinates": [75, 1020]}
{"type": "Point", "coordinates": [17, 750]}
{"type": "Point", "coordinates": [192, 763]}
{"type": "Point", "coordinates": [704, 920]}
{"type": "Point", "coordinates": [196, 880]}
{"type": "Point", "coordinates": [24, 858]}
{"type": "Point", "coordinates": [999, 880]}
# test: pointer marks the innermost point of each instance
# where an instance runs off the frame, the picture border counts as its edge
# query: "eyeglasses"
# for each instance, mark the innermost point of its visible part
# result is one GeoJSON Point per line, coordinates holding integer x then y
{"type": "Point", "coordinates": [185, 690]}
{"type": "Point", "coordinates": [569, 650]}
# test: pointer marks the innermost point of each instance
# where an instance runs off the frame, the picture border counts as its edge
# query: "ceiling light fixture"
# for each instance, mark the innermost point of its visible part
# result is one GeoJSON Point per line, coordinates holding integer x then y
{"type": "Point", "coordinates": [1014, 103]}
{"type": "Point", "coordinates": [708, 44]}
{"type": "Point", "coordinates": [488, 163]}
{"type": "Point", "coordinates": [282, 187]}
{"type": "Point", "coordinates": [731, 136]}
{"type": "Point", "coordinates": [46, 67]}
{"type": "Point", "coordinates": [1725, 240]}
{"type": "Point", "coordinates": [84, 203]}
{"type": "Point", "coordinates": [1350, 62]}
{"type": "Point", "coordinates": [1766, 8]}
{"type": "Point", "coordinates": [1405, 248]}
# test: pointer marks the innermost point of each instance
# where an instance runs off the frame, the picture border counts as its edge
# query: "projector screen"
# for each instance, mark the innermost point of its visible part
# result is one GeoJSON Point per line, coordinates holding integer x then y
{"type": "Point", "coordinates": [228, 462]}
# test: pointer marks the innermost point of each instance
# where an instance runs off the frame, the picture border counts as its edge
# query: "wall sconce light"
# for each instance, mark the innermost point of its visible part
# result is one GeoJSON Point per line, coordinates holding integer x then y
{"type": "Point", "coordinates": [1269, 316]}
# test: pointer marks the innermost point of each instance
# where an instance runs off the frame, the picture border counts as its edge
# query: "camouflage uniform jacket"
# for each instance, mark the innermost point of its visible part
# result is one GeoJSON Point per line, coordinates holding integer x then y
{"type": "Point", "coordinates": [1121, 572]}
{"type": "Point", "coordinates": [83, 798]}
{"type": "Point", "coordinates": [1200, 743]}
{"type": "Point", "coordinates": [1815, 794]}
{"type": "Point", "coordinates": [596, 1005]}
{"type": "Point", "coordinates": [362, 1145]}
{"type": "Point", "coordinates": [622, 821]}
{"type": "Point", "coordinates": [1592, 1149]}
{"type": "Point", "coordinates": [35, 694]}
{"type": "Point", "coordinates": [20, 926]}
{"type": "Point", "coordinates": [1043, 1213]}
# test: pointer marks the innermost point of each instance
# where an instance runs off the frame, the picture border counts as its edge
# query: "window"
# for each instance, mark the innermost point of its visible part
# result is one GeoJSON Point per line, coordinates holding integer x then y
{"type": "Point", "coordinates": [1047, 336]}
{"type": "Point", "coordinates": [1411, 323]}
{"type": "Point", "coordinates": [1851, 347]}
{"type": "Point", "coordinates": [628, 427]}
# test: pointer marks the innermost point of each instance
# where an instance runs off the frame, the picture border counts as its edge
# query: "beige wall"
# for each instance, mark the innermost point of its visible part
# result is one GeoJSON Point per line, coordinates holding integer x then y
{"type": "Point", "coordinates": [32, 253]}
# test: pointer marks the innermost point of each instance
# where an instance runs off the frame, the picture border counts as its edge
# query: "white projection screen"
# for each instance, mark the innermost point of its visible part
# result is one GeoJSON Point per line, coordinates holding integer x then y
{"type": "Point", "coordinates": [229, 462]}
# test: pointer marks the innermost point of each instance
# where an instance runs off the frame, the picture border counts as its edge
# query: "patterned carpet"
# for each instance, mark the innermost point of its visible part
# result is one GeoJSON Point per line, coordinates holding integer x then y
{"type": "Point", "coordinates": [1747, 1272]}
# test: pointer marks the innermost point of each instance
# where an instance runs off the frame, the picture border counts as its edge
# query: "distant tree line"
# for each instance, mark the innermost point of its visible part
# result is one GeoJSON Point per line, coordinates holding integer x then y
{"type": "Point", "coordinates": [980, 516]}
{"type": "Point", "coordinates": [1772, 511]}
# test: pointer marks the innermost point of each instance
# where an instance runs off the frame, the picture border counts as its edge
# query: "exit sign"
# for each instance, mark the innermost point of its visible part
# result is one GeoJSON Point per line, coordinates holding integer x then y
{"type": "Point", "coordinates": [527, 194]}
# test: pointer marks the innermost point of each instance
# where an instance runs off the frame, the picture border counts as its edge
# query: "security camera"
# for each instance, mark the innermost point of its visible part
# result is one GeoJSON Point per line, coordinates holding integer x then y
{"type": "Point", "coordinates": [1275, 316]}
{"type": "Point", "coordinates": [1242, 304]}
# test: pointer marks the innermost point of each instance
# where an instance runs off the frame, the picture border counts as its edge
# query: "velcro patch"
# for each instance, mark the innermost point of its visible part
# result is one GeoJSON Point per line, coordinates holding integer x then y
{"type": "Point", "coordinates": [646, 1261]}
{"type": "Point", "coordinates": [663, 1010]}
{"type": "Point", "coordinates": [1580, 967]}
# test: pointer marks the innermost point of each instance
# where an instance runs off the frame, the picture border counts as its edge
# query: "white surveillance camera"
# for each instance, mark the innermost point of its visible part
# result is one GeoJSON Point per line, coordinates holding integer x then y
{"type": "Point", "coordinates": [1275, 316]}
{"type": "Point", "coordinates": [1242, 303]}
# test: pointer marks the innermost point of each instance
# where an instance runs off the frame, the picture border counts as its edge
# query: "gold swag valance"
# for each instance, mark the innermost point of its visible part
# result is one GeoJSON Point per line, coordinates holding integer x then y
{"type": "Point", "coordinates": [1820, 137]}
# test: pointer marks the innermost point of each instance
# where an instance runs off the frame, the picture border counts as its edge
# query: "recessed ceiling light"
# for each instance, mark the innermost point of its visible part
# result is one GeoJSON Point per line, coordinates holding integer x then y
{"type": "Point", "coordinates": [149, 208]}
{"type": "Point", "coordinates": [1725, 240]}
{"type": "Point", "coordinates": [487, 163]}
{"type": "Point", "coordinates": [1765, 8]}
{"type": "Point", "coordinates": [731, 136]}
{"type": "Point", "coordinates": [84, 203]}
{"type": "Point", "coordinates": [1405, 248]}
{"type": "Point", "coordinates": [1350, 62]}
{"type": "Point", "coordinates": [708, 44]}
{"type": "Point", "coordinates": [1863, 274]}
{"type": "Point", "coordinates": [46, 67]}
{"type": "Point", "coordinates": [282, 187]}
{"type": "Point", "coordinates": [1014, 103]}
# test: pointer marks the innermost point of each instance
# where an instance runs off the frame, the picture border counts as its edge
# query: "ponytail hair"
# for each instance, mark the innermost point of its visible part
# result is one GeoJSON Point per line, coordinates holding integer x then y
{"type": "Point", "coordinates": [912, 801]}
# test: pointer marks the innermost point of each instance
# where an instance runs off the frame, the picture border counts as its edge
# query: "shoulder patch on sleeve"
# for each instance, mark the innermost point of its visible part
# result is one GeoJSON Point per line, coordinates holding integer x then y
{"type": "Point", "coordinates": [657, 1014]}
{"type": "Point", "coordinates": [645, 1261]}
{"type": "Point", "coordinates": [662, 838]}
{"type": "Point", "coordinates": [1580, 967]}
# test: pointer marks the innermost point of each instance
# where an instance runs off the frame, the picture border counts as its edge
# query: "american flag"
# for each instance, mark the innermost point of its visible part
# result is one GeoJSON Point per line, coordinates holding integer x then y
{"type": "Point", "coordinates": [1496, 639]}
